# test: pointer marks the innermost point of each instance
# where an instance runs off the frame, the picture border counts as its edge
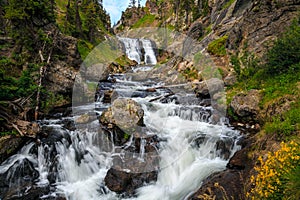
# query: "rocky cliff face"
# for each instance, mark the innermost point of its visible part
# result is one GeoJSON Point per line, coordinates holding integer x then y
{"type": "Point", "coordinates": [60, 75]}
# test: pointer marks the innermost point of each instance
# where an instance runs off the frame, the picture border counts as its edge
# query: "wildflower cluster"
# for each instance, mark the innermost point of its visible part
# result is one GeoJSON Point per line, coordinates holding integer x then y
{"type": "Point", "coordinates": [273, 175]}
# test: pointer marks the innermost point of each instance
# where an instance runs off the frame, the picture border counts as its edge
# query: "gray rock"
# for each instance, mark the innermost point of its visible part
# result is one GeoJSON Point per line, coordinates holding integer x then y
{"type": "Point", "coordinates": [208, 88]}
{"type": "Point", "coordinates": [124, 113]}
{"type": "Point", "coordinates": [123, 182]}
{"type": "Point", "coordinates": [97, 72]}
{"type": "Point", "coordinates": [230, 80]}
{"type": "Point", "coordinates": [246, 106]}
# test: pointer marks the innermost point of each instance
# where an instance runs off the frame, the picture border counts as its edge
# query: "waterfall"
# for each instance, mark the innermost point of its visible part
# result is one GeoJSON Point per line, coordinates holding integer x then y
{"type": "Point", "coordinates": [149, 56]}
{"type": "Point", "coordinates": [139, 50]}
{"type": "Point", "coordinates": [73, 163]}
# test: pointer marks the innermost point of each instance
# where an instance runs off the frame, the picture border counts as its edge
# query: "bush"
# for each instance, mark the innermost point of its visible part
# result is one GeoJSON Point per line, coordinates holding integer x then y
{"type": "Point", "coordinates": [12, 87]}
{"type": "Point", "coordinates": [277, 176]}
{"type": "Point", "coordinates": [285, 53]}
{"type": "Point", "coordinates": [217, 47]}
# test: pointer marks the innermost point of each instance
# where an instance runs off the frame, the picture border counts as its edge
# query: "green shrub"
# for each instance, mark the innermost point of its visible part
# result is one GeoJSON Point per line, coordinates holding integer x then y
{"type": "Point", "coordinates": [286, 51]}
{"type": "Point", "coordinates": [14, 87]}
{"type": "Point", "coordinates": [217, 47]}
{"type": "Point", "coordinates": [285, 125]}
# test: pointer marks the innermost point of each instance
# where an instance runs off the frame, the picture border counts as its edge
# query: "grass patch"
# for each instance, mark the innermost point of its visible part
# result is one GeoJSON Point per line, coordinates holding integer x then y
{"type": "Point", "coordinates": [145, 21]}
{"type": "Point", "coordinates": [84, 48]}
{"type": "Point", "coordinates": [217, 47]}
{"type": "Point", "coordinates": [285, 124]}
{"type": "Point", "coordinates": [228, 4]}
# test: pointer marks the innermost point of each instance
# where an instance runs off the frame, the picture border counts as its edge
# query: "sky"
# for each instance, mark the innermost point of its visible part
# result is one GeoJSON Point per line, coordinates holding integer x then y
{"type": "Point", "coordinates": [115, 8]}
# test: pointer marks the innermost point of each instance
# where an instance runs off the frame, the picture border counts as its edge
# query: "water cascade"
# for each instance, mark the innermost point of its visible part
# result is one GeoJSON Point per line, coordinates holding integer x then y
{"type": "Point", "coordinates": [139, 50]}
{"type": "Point", "coordinates": [72, 163]}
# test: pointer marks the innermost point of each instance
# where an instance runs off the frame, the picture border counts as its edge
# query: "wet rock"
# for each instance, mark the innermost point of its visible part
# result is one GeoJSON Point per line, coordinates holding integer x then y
{"type": "Point", "coordinates": [17, 179]}
{"type": "Point", "coordinates": [28, 191]}
{"type": "Point", "coordinates": [9, 145]}
{"type": "Point", "coordinates": [219, 186]}
{"type": "Point", "coordinates": [108, 94]}
{"type": "Point", "coordinates": [224, 147]}
{"type": "Point", "coordinates": [239, 160]}
{"type": "Point", "coordinates": [208, 88]}
{"type": "Point", "coordinates": [124, 182]}
{"type": "Point", "coordinates": [52, 134]}
{"type": "Point", "coordinates": [246, 106]}
{"type": "Point", "coordinates": [124, 113]}
{"type": "Point", "coordinates": [136, 165]}
{"type": "Point", "coordinates": [83, 119]}
{"type": "Point", "coordinates": [69, 124]}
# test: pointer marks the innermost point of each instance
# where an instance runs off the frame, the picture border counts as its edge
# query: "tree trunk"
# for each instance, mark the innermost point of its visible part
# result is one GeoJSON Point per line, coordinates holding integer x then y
{"type": "Point", "coordinates": [77, 19]}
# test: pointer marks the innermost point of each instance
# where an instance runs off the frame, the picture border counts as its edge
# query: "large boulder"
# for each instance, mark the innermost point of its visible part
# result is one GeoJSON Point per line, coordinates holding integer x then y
{"type": "Point", "coordinates": [124, 113]}
{"type": "Point", "coordinates": [97, 72]}
{"type": "Point", "coordinates": [246, 106]}
{"type": "Point", "coordinates": [124, 182]}
{"type": "Point", "coordinates": [206, 89]}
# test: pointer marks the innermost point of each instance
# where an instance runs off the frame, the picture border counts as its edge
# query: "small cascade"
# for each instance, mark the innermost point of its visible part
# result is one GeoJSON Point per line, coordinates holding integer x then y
{"type": "Point", "coordinates": [140, 50]}
{"type": "Point", "coordinates": [149, 57]}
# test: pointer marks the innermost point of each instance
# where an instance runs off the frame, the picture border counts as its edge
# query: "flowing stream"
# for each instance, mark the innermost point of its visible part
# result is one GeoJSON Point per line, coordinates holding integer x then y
{"type": "Point", "coordinates": [72, 163]}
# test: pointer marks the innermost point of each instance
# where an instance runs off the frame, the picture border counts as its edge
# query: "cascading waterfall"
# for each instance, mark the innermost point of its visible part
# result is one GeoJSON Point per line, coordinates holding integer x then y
{"type": "Point", "coordinates": [149, 56]}
{"type": "Point", "coordinates": [73, 163]}
{"type": "Point", "coordinates": [139, 50]}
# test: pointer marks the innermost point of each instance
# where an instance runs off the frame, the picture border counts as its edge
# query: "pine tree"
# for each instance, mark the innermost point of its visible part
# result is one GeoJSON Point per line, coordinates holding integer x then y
{"type": "Point", "coordinates": [27, 18]}
{"type": "Point", "coordinates": [132, 3]}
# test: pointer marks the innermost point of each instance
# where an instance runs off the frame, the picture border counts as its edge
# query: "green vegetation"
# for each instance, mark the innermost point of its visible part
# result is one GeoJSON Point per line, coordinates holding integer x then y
{"type": "Point", "coordinates": [84, 48]}
{"type": "Point", "coordinates": [217, 47]}
{"type": "Point", "coordinates": [190, 73]}
{"type": "Point", "coordinates": [278, 177]}
{"type": "Point", "coordinates": [26, 18]}
{"type": "Point", "coordinates": [87, 20]}
{"type": "Point", "coordinates": [146, 21]}
{"type": "Point", "coordinates": [286, 124]}
{"type": "Point", "coordinates": [277, 78]}
{"type": "Point", "coordinates": [285, 55]}
{"type": "Point", "coordinates": [31, 32]}
{"type": "Point", "coordinates": [126, 136]}
{"type": "Point", "coordinates": [227, 4]}
{"type": "Point", "coordinates": [15, 87]}
{"type": "Point", "coordinates": [4, 133]}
